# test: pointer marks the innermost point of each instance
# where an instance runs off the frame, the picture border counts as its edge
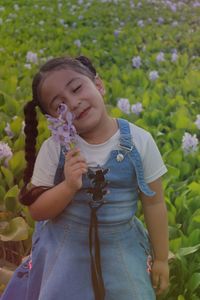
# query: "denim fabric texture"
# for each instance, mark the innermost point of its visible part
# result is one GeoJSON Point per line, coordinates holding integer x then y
{"type": "Point", "coordinates": [60, 258]}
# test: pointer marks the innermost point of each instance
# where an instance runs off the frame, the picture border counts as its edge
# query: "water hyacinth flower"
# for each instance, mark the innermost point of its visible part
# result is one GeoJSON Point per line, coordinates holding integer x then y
{"type": "Point", "coordinates": [137, 108]}
{"type": "Point", "coordinates": [5, 153]}
{"type": "Point", "coordinates": [9, 131]}
{"type": "Point", "coordinates": [153, 75]}
{"type": "Point", "coordinates": [160, 57]}
{"type": "Point", "coordinates": [174, 57]}
{"type": "Point", "coordinates": [189, 143]}
{"type": "Point", "coordinates": [136, 62]}
{"type": "Point", "coordinates": [116, 33]}
{"type": "Point", "coordinates": [160, 20]}
{"type": "Point", "coordinates": [124, 105]}
{"type": "Point", "coordinates": [31, 57]}
{"type": "Point", "coordinates": [140, 23]}
{"type": "Point", "coordinates": [77, 43]}
{"type": "Point", "coordinates": [197, 122]}
{"type": "Point", "coordinates": [62, 129]}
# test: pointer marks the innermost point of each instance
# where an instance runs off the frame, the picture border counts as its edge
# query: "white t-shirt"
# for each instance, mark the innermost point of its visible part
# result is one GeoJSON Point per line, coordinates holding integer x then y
{"type": "Point", "coordinates": [48, 156]}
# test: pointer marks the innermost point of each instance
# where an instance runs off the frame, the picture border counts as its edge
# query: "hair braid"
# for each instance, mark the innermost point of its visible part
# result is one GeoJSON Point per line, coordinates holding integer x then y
{"type": "Point", "coordinates": [31, 133]}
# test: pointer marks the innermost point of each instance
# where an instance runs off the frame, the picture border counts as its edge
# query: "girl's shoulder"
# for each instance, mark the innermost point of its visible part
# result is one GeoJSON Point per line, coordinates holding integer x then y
{"type": "Point", "coordinates": [50, 147]}
{"type": "Point", "coordinates": [139, 135]}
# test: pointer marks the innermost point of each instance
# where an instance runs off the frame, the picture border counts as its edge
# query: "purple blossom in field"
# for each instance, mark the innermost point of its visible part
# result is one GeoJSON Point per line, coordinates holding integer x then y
{"type": "Point", "coordinates": [31, 57]}
{"type": "Point", "coordinates": [9, 131]}
{"type": "Point", "coordinates": [77, 43]}
{"type": "Point", "coordinates": [124, 105]}
{"type": "Point", "coordinates": [153, 75]}
{"type": "Point", "coordinates": [5, 152]}
{"type": "Point", "coordinates": [160, 57]}
{"type": "Point", "coordinates": [137, 108]}
{"type": "Point", "coordinates": [27, 66]}
{"type": "Point", "coordinates": [173, 7]}
{"type": "Point", "coordinates": [116, 33]}
{"type": "Point", "coordinates": [62, 128]}
{"type": "Point", "coordinates": [197, 122]}
{"type": "Point", "coordinates": [189, 143]}
{"type": "Point", "coordinates": [174, 57]}
{"type": "Point", "coordinates": [196, 4]}
{"type": "Point", "coordinates": [160, 20]}
{"type": "Point", "coordinates": [136, 62]}
{"type": "Point", "coordinates": [140, 23]}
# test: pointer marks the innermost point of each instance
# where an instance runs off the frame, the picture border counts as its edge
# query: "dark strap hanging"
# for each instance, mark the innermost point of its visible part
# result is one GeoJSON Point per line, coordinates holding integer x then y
{"type": "Point", "coordinates": [94, 245]}
{"type": "Point", "coordinates": [98, 190]}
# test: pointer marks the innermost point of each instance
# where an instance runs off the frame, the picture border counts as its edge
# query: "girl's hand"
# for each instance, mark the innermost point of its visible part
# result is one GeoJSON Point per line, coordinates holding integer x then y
{"type": "Point", "coordinates": [75, 166]}
{"type": "Point", "coordinates": [160, 276]}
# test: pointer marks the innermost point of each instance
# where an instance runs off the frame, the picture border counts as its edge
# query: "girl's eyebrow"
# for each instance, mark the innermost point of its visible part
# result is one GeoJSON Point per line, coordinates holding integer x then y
{"type": "Point", "coordinates": [67, 84]}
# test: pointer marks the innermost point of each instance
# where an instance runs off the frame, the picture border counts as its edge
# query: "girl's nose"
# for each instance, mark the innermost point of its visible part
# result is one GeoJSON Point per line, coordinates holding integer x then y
{"type": "Point", "coordinates": [73, 103]}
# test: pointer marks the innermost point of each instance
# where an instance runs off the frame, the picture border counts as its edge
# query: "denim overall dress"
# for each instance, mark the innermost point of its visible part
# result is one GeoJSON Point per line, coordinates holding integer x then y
{"type": "Point", "coordinates": [96, 249]}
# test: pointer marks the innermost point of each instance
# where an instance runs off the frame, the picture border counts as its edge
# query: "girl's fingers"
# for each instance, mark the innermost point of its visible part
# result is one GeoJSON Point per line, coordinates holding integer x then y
{"type": "Point", "coordinates": [163, 285]}
{"type": "Point", "coordinates": [72, 153]}
{"type": "Point", "coordinates": [155, 280]}
{"type": "Point", "coordinates": [74, 157]}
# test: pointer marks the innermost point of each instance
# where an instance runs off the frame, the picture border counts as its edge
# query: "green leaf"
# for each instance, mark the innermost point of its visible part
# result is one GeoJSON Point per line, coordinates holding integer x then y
{"type": "Point", "coordinates": [194, 282]}
{"type": "Point", "coordinates": [188, 250]}
{"type": "Point", "coordinates": [2, 99]}
{"type": "Point", "coordinates": [10, 198]}
{"type": "Point", "coordinates": [16, 230]}
{"type": "Point", "coordinates": [8, 176]}
{"type": "Point", "coordinates": [181, 297]}
{"type": "Point", "coordinates": [194, 187]}
{"type": "Point", "coordinates": [17, 162]}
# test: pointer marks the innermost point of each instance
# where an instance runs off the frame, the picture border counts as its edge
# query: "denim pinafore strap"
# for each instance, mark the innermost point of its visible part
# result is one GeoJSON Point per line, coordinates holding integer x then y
{"type": "Point", "coordinates": [126, 146]}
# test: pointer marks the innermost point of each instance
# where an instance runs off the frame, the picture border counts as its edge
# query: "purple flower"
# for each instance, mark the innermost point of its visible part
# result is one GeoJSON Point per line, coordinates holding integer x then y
{"type": "Point", "coordinates": [31, 57]}
{"type": "Point", "coordinates": [160, 57]}
{"type": "Point", "coordinates": [5, 153]}
{"type": "Point", "coordinates": [116, 33]}
{"type": "Point", "coordinates": [153, 75]}
{"type": "Point", "coordinates": [197, 122]}
{"type": "Point", "coordinates": [196, 4]}
{"type": "Point", "coordinates": [174, 57]}
{"type": "Point", "coordinates": [124, 105]}
{"type": "Point", "coordinates": [62, 129]}
{"type": "Point", "coordinates": [136, 62]}
{"type": "Point", "coordinates": [77, 43]}
{"type": "Point", "coordinates": [189, 143]}
{"type": "Point", "coordinates": [140, 23]}
{"type": "Point", "coordinates": [137, 108]}
{"type": "Point", "coordinates": [9, 131]}
{"type": "Point", "coordinates": [160, 20]}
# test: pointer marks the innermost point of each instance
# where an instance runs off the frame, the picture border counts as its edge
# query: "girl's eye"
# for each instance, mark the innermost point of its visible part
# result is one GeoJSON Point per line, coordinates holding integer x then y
{"type": "Point", "coordinates": [77, 88]}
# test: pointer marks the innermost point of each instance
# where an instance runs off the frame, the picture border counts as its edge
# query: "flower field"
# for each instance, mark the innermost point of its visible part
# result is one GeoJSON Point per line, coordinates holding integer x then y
{"type": "Point", "coordinates": [148, 55]}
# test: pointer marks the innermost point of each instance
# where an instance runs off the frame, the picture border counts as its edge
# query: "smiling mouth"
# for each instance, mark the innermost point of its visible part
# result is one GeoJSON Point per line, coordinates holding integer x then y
{"type": "Point", "coordinates": [83, 113]}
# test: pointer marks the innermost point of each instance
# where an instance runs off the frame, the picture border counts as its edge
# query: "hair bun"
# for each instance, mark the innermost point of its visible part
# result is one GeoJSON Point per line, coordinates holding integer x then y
{"type": "Point", "coordinates": [86, 62]}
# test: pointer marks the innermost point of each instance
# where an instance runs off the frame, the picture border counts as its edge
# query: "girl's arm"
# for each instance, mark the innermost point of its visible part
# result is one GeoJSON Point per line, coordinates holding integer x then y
{"type": "Point", "coordinates": [155, 214]}
{"type": "Point", "coordinates": [53, 201]}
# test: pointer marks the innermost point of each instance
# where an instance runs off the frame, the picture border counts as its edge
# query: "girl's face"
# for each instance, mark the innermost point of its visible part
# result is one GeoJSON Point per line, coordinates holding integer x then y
{"type": "Point", "coordinates": [83, 97]}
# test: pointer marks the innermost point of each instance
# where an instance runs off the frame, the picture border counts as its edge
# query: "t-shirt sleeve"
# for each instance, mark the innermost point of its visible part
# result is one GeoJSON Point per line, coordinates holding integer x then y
{"type": "Point", "coordinates": [46, 164]}
{"type": "Point", "coordinates": [153, 164]}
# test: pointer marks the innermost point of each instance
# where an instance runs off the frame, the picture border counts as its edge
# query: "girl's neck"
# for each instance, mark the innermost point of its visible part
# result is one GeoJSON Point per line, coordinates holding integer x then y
{"type": "Point", "coordinates": [102, 133]}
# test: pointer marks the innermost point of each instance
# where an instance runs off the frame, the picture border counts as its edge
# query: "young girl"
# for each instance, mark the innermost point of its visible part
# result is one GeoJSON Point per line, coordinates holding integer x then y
{"type": "Point", "coordinates": [88, 244]}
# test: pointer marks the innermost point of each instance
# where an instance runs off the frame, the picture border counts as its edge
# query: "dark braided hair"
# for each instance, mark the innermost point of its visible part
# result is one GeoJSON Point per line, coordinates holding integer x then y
{"type": "Point", "coordinates": [80, 64]}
